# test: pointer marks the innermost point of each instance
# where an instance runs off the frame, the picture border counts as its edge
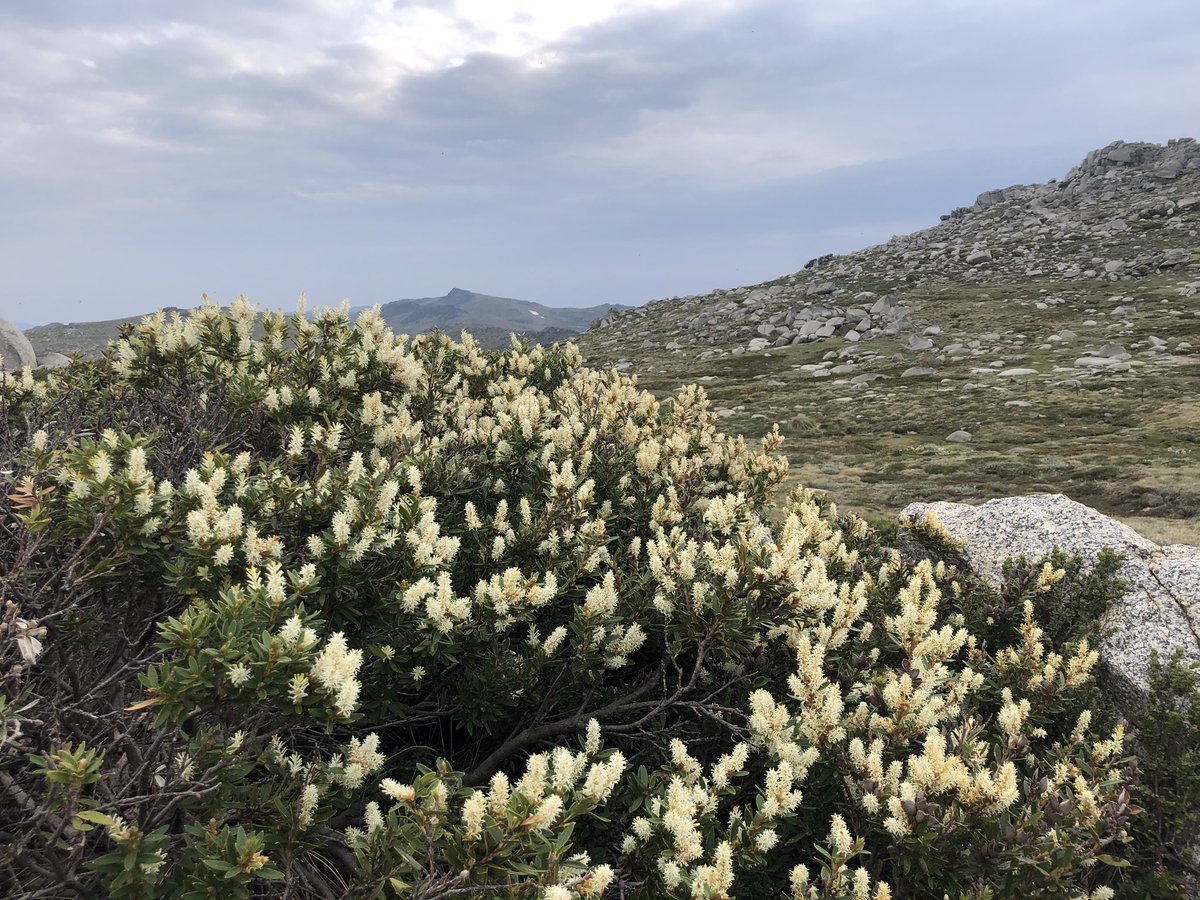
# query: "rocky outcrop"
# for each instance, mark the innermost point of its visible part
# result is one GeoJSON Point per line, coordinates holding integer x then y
{"type": "Point", "coordinates": [15, 347]}
{"type": "Point", "coordinates": [1161, 607]}
{"type": "Point", "coordinates": [1128, 211]}
{"type": "Point", "coordinates": [53, 360]}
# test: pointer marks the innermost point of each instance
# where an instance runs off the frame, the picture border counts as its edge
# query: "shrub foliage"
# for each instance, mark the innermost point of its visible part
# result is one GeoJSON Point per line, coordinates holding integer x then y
{"type": "Point", "coordinates": [296, 607]}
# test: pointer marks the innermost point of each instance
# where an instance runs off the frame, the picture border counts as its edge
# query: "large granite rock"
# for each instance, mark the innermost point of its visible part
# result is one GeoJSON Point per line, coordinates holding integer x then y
{"type": "Point", "coordinates": [1161, 608]}
{"type": "Point", "coordinates": [52, 360]}
{"type": "Point", "coordinates": [15, 347]}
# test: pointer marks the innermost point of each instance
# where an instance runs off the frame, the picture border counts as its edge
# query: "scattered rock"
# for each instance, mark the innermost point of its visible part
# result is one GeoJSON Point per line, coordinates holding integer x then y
{"type": "Point", "coordinates": [959, 437]}
{"type": "Point", "coordinates": [53, 360]}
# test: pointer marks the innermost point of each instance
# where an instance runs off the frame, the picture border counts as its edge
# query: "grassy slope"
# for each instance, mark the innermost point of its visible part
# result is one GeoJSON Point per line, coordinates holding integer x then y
{"type": "Point", "coordinates": [1127, 443]}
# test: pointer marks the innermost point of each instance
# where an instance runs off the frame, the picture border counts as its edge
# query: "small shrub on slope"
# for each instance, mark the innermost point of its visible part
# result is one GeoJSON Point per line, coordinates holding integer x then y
{"type": "Point", "coordinates": [300, 608]}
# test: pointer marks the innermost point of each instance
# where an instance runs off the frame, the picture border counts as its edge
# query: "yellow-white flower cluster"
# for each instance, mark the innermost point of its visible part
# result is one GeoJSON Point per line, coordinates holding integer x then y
{"type": "Point", "coordinates": [335, 669]}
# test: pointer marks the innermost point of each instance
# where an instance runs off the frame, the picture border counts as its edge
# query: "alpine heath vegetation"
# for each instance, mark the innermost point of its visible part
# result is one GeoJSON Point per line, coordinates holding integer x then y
{"type": "Point", "coordinates": [299, 607]}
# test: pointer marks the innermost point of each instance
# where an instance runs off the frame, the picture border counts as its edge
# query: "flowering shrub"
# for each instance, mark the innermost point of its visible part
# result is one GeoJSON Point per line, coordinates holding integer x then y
{"type": "Point", "coordinates": [299, 607]}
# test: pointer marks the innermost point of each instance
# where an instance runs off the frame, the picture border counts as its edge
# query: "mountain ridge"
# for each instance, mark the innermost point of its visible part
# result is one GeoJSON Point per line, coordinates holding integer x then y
{"type": "Point", "coordinates": [1096, 201]}
{"type": "Point", "coordinates": [491, 319]}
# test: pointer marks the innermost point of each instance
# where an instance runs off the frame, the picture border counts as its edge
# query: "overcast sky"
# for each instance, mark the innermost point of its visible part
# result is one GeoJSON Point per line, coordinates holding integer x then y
{"type": "Point", "coordinates": [566, 151]}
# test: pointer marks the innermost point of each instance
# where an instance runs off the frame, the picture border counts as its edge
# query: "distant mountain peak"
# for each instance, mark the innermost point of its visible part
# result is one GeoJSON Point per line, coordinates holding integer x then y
{"type": "Point", "coordinates": [490, 318]}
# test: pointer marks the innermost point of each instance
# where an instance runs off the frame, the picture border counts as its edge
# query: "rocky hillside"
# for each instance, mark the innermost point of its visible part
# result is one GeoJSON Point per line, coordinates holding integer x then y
{"type": "Point", "coordinates": [1047, 337]}
{"type": "Point", "coordinates": [1127, 211]}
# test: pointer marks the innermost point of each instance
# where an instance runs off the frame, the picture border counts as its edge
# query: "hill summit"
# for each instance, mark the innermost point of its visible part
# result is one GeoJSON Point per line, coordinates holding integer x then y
{"type": "Point", "coordinates": [490, 319]}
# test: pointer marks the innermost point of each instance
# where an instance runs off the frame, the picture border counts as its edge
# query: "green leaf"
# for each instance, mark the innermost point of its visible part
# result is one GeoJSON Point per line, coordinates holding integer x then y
{"type": "Point", "coordinates": [563, 837]}
{"type": "Point", "coordinates": [95, 817]}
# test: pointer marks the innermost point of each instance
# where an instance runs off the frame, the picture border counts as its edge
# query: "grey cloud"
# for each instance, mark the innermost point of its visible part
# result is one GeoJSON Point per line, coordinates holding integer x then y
{"type": "Point", "coordinates": [656, 153]}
